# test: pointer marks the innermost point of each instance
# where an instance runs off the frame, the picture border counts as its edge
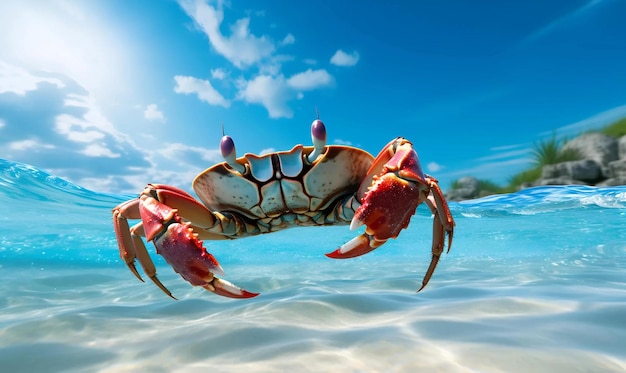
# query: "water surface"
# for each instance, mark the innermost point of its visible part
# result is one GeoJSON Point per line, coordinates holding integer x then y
{"type": "Point", "coordinates": [535, 282]}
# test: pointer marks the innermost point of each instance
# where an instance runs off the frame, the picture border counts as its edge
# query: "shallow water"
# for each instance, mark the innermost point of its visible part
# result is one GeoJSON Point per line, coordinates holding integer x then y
{"type": "Point", "coordinates": [535, 281]}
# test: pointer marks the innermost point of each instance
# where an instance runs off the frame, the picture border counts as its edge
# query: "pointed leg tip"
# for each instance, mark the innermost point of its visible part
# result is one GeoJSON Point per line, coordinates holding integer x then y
{"type": "Point", "coordinates": [162, 287]}
{"type": "Point", "coordinates": [133, 269]}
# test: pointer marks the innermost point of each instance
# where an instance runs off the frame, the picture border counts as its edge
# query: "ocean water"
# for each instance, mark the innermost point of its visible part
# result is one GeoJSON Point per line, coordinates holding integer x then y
{"type": "Point", "coordinates": [535, 281]}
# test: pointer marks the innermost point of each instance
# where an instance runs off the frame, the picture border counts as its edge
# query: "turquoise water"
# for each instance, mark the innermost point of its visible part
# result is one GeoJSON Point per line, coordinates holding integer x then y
{"type": "Point", "coordinates": [535, 281]}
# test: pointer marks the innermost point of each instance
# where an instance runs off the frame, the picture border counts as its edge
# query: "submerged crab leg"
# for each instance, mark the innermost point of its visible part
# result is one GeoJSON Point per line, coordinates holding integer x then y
{"type": "Point", "coordinates": [126, 210]}
{"type": "Point", "coordinates": [442, 224]}
{"type": "Point", "coordinates": [131, 245]}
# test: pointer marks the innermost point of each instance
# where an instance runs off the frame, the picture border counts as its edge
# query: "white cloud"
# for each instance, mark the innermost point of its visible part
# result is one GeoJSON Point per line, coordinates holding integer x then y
{"type": "Point", "coordinates": [515, 153]}
{"type": "Point", "coordinates": [202, 88]}
{"type": "Point", "coordinates": [99, 150]}
{"type": "Point", "coordinates": [2, 123]}
{"type": "Point", "coordinates": [310, 79]}
{"type": "Point", "coordinates": [599, 120]}
{"type": "Point", "coordinates": [90, 127]}
{"type": "Point", "coordinates": [560, 21]}
{"type": "Point", "coordinates": [341, 58]}
{"type": "Point", "coordinates": [490, 170]}
{"type": "Point", "coordinates": [268, 86]}
{"type": "Point", "coordinates": [267, 151]}
{"type": "Point", "coordinates": [92, 117]}
{"type": "Point", "coordinates": [342, 142]}
{"type": "Point", "coordinates": [29, 144]}
{"type": "Point", "coordinates": [14, 79]}
{"type": "Point", "coordinates": [434, 167]}
{"type": "Point", "coordinates": [273, 65]}
{"type": "Point", "coordinates": [153, 113]}
{"type": "Point", "coordinates": [184, 154]}
{"type": "Point", "coordinates": [289, 39]}
{"type": "Point", "coordinates": [67, 134]}
{"type": "Point", "coordinates": [241, 48]}
{"type": "Point", "coordinates": [505, 147]}
{"type": "Point", "coordinates": [271, 92]}
{"type": "Point", "coordinates": [218, 74]}
{"type": "Point", "coordinates": [274, 92]}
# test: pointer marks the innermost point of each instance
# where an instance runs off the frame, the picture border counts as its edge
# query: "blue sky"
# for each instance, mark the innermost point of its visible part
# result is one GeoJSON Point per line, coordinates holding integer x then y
{"type": "Point", "coordinates": [114, 94]}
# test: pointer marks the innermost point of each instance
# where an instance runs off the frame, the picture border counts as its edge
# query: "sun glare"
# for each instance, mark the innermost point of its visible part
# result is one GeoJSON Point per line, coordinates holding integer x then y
{"type": "Point", "coordinates": [62, 38]}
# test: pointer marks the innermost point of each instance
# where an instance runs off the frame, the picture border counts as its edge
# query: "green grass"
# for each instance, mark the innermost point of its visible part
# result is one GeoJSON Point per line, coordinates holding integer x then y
{"type": "Point", "coordinates": [617, 129]}
{"type": "Point", "coordinates": [551, 151]}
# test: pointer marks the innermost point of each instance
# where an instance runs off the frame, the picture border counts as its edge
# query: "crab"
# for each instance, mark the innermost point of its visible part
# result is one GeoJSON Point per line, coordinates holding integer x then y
{"type": "Point", "coordinates": [317, 185]}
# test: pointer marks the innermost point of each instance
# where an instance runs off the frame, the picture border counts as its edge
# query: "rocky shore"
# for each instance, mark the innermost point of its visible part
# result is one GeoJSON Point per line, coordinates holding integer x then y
{"type": "Point", "coordinates": [602, 163]}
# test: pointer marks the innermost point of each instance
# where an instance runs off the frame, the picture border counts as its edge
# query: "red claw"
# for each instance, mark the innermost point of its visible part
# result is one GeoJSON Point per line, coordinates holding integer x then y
{"type": "Point", "coordinates": [391, 192]}
{"type": "Point", "coordinates": [390, 196]}
{"type": "Point", "coordinates": [357, 246]}
{"type": "Point", "coordinates": [387, 207]}
{"type": "Point", "coordinates": [228, 289]}
{"type": "Point", "coordinates": [180, 247]}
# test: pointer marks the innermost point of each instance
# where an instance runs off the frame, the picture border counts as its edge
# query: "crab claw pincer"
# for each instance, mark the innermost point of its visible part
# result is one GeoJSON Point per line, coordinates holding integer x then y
{"type": "Point", "coordinates": [386, 208]}
{"type": "Point", "coordinates": [179, 245]}
{"type": "Point", "coordinates": [398, 186]}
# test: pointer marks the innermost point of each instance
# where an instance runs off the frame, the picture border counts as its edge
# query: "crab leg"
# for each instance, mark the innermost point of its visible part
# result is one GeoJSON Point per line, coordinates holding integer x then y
{"type": "Point", "coordinates": [131, 245]}
{"type": "Point", "coordinates": [124, 211]}
{"type": "Point", "coordinates": [442, 224]}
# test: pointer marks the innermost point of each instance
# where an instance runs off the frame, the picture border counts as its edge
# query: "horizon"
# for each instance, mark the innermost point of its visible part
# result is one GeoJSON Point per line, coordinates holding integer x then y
{"type": "Point", "coordinates": [112, 95]}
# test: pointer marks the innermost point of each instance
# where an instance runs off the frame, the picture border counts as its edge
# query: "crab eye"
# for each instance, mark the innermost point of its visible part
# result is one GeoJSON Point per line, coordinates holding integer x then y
{"type": "Point", "coordinates": [227, 147]}
{"type": "Point", "coordinates": [318, 131]}
{"type": "Point", "coordinates": [318, 135]}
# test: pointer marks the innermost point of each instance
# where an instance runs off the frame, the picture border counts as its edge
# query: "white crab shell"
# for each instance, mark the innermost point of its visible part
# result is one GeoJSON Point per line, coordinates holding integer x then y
{"type": "Point", "coordinates": [285, 184]}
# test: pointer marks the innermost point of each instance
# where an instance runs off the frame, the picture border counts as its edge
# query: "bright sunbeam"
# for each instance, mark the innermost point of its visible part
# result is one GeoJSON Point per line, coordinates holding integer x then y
{"type": "Point", "coordinates": [62, 37]}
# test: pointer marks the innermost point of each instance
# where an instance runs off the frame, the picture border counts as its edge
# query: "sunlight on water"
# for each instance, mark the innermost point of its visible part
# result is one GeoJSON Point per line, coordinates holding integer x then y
{"type": "Point", "coordinates": [534, 282]}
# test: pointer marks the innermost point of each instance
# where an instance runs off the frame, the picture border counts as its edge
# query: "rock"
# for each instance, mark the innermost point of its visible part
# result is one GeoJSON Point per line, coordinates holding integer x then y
{"type": "Point", "coordinates": [621, 147]}
{"type": "Point", "coordinates": [559, 181]}
{"type": "Point", "coordinates": [466, 188]}
{"type": "Point", "coordinates": [612, 182]}
{"type": "Point", "coordinates": [525, 185]}
{"type": "Point", "coordinates": [586, 170]}
{"type": "Point", "coordinates": [617, 169]}
{"type": "Point", "coordinates": [597, 146]}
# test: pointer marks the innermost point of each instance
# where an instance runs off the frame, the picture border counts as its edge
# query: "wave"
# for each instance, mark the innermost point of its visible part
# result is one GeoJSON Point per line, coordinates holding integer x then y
{"type": "Point", "coordinates": [20, 182]}
{"type": "Point", "coordinates": [23, 182]}
{"type": "Point", "coordinates": [544, 199]}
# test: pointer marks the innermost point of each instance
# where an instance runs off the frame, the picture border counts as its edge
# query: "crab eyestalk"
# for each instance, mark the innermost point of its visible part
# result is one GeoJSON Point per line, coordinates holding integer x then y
{"type": "Point", "coordinates": [227, 147]}
{"type": "Point", "coordinates": [318, 135]}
